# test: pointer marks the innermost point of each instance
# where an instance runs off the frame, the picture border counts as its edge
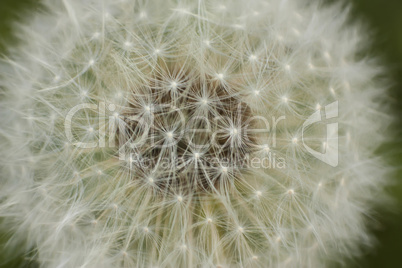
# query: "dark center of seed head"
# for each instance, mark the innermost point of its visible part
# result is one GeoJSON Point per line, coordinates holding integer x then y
{"type": "Point", "coordinates": [189, 135]}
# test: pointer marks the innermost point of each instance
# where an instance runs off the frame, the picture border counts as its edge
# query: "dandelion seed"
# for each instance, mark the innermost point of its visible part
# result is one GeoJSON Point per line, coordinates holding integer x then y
{"type": "Point", "coordinates": [204, 101]}
{"type": "Point", "coordinates": [266, 148]}
{"type": "Point", "coordinates": [96, 35]}
{"type": "Point", "coordinates": [147, 108]}
{"type": "Point", "coordinates": [291, 192]}
{"type": "Point", "coordinates": [173, 85]}
{"type": "Point", "coordinates": [224, 170]}
{"type": "Point", "coordinates": [143, 15]}
{"type": "Point", "coordinates": [252, 57]}
{"type": "Point", "coordinates": [238, 26]}
{"type": "Point", "coordinates": [169, 135]}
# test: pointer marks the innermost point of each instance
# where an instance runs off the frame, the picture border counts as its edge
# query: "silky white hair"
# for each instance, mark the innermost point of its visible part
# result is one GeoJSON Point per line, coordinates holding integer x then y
{"type": "Point", "coordinates": [89, 206]}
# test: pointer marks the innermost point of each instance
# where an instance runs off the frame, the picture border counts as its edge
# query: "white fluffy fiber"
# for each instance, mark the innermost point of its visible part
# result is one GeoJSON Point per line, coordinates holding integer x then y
{"type": "Point", "coordinates": [77, 207]}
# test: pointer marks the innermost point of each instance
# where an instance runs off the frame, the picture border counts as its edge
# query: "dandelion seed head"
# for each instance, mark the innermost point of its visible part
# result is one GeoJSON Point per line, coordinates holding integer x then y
{"type": "Point", "coordinates": [173, 134]}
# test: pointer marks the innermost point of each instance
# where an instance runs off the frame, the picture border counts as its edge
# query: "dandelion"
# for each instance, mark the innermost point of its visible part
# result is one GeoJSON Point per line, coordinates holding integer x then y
{"type": "Point", "coordinates": [137, 134]}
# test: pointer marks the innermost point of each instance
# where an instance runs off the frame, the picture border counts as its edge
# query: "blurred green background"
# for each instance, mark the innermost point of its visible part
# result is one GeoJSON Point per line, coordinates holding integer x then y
{"type": "Point", "coordinates": [385, 18]}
